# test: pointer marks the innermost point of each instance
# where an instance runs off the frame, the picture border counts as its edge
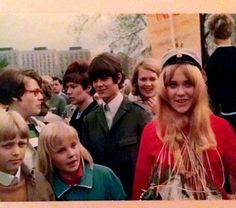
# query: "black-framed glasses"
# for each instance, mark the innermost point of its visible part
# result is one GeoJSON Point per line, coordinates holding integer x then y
{"type": "Point", "coordinates": [36, 92]}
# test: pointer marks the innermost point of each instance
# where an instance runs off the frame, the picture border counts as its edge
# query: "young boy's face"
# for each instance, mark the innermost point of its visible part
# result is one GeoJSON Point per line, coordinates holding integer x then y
{"type": "Point", "coordinates": [12, 153]}
{"type": "Point", "coordinates": [106, 88]}
{"type": "Point", "coordinates": [76, 94]}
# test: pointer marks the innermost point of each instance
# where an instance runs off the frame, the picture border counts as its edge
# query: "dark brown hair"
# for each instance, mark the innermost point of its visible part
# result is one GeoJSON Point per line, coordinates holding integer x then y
{"type": "Point", "coordinates": [105, 65]}
{"type": "Point", "coordinates": [77, 72]}
{"type": "Point", "coordinates": [12, 84]}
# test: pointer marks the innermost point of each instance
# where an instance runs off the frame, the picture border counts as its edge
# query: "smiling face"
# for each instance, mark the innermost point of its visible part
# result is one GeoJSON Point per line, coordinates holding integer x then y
{"type": "Point", "coordinates": [147, 83]}
{"type": "Point", "coordinates": [180, 91]}
{"type": "Point", "coordinates": [66, 155]}
{"type": "Point", "coordinates": [106, 88]}
{"type": "Point", "coordinates": [12, 153]}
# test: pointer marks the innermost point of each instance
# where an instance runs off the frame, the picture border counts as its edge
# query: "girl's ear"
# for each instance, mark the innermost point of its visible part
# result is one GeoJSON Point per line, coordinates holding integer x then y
{"type": "Point", "coordinates": [88, 89]}
{"type": "Point", "coordinates": [15, 99]}
{"type": "Point", "coordinates": [119, 77]}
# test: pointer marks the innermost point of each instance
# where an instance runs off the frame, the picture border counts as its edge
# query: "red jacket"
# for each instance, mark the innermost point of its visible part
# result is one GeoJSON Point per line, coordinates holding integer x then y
{"type": "Point", "coordinates": [151, 145]}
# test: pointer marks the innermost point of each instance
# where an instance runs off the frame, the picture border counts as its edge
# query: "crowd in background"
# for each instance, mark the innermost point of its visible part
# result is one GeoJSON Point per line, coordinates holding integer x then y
{"type": "Point", "coordinates": [165, 133]}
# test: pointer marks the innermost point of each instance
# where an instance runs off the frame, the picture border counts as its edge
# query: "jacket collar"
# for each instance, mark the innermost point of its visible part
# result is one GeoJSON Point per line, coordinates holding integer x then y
{"type": "Point", "coordinates": [86, 182]}
{"type": "Point", "coordinates": [123, 108]}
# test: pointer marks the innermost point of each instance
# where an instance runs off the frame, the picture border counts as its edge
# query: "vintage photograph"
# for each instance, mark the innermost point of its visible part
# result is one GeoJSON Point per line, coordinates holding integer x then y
{"type": "Point", "coordinates": [123, 109]}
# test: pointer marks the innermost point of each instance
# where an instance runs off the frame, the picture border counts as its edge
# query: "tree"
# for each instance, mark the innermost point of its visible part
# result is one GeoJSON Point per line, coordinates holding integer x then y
{"type": "Point", "coordinates": [123, 34]}
{"type": "Point", "coordinates": [3, 63]}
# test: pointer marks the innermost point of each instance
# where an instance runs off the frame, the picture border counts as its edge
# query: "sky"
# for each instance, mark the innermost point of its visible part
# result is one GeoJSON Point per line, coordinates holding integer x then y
{"type": "Point", "coordinates": [52, 30]}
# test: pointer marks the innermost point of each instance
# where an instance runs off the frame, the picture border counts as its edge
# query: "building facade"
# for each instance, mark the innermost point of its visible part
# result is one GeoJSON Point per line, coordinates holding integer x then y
{"type": "Point", "coordinates": [44, 61]}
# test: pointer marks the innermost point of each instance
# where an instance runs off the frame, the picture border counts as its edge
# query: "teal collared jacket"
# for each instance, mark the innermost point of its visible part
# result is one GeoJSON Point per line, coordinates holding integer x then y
{"type": "Point", "coordinates": [99, 183]}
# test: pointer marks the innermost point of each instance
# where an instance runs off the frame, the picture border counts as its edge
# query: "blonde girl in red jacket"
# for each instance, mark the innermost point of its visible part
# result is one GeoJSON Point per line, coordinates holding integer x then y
{"type": "Point", "coordinates": [187, 152]}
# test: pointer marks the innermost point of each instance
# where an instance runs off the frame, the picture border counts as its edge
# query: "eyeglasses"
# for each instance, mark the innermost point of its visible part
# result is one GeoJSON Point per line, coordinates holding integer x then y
{"type": "Point", "coordinates": [36, 92]}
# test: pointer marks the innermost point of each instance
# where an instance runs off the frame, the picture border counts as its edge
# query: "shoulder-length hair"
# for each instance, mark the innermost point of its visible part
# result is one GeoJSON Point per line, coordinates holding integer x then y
{"type": "Point", "coordinates": [200, 128]}
{"type": "Point", "coordinates": [12, 123]}
{"type": "Point", "coordinates": [49, 137]}
{"type": "Point", "coordinates": [148, 64]}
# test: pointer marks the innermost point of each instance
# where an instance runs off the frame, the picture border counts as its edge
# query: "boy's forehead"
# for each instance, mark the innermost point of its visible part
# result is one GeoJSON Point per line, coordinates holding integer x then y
{"type": "Point", "coordinates": [72, 84]}
{"type": "Point", "coordinates": [56, 82]}
{"type": "Point", "coordinates": [16, 139]}
{"type": "Point", "coordinates": [28, 81]}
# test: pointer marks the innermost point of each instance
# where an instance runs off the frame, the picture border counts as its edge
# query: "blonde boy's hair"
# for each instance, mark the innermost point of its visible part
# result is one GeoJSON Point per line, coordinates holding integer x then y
{"type": "Point", "coordinates": [12, 124]}
{"type": "Point", "coordinates": [200, 129]}
{"type": "Point", "coordinates": [48, 138]}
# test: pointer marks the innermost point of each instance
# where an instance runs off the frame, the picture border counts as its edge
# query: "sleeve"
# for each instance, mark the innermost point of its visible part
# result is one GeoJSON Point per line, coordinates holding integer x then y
{"type": "Point", "coordinates": [116, 190]}
{"type": "Point", "coordinates": [213, 82]}
{"type": "Point", "coordinates": [144, 118]}
{"type": "Point", "coordinates": [62, 106]}
{"type": "Point", "coordinates": [229, 146]}
{"type": "Point", "coordinates": [85, 135]}
{"type": "Point", "coordinates": [144, 160]}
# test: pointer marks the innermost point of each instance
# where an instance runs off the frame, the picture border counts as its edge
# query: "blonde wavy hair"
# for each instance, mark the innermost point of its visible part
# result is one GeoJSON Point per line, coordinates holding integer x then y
{"type": "Point", "coordinates": [169, 129]}
{"type": "Point", "coordinates": [49, 137]}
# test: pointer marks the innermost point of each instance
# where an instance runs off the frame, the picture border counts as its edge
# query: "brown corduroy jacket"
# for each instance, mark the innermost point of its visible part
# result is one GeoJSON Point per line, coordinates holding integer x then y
{"type": "Point", "coordinates": [38, 188]}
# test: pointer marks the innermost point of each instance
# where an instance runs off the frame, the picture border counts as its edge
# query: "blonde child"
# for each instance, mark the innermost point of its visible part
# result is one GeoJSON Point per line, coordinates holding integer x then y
{"type": "Point", "coordinates": [17, 181]}
{"type": "Point", "coordinates": [60, 161]}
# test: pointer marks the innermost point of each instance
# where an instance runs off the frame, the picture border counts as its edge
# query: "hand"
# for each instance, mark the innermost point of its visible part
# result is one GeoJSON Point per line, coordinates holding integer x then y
{"type": "Point", "coordinates": [231, 196]}
{"type": "Point", "coordinates": [152, 103]}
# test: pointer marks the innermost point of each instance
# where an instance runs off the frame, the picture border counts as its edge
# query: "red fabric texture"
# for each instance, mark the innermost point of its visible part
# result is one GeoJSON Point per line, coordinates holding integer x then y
{"type": "Point", "coordinates": [151, 145]}
{"type": "Point", "coordinates": [76, 178]}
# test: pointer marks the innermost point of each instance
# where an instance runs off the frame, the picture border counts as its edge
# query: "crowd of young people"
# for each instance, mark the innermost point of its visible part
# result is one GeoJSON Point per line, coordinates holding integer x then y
{"type": "Point", "coordinates": [161, 143]}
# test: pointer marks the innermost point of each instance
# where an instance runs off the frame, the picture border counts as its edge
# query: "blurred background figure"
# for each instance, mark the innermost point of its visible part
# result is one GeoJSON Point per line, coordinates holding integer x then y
{"type": "Point", "coordinates": [56, 103]}
{"type": "Point", "coordinates": [221, 68]}
{"type": "Point", "coordinates": [144, 83]}
{"type": "Point", "coordinates": [57, 88]}
{"type": "Point", "coordinates": [46, 116]}
{"type": "Point", "coordinates": [127, 88]}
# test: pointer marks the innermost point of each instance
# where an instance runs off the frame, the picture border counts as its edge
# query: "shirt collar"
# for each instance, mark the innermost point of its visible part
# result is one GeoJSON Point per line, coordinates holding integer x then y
{"type": "Point", "coordinates": [86, 181]}
{"type": "Point", "coordinates": [115, 103]}
{"type": "Point", "coordinates": [8, 179]}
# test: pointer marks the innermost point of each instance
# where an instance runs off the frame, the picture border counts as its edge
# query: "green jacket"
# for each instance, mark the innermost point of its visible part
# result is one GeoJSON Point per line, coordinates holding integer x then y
{"type": "Point", "coordinates": [99, 183]}
{"type": "Point", "coordinates": [117, 147]}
